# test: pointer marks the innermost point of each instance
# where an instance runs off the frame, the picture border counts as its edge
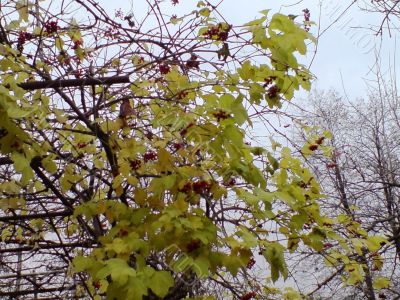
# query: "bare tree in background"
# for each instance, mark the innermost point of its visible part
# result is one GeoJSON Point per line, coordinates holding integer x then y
{"type": "Point", "coordinates": [362, 177]}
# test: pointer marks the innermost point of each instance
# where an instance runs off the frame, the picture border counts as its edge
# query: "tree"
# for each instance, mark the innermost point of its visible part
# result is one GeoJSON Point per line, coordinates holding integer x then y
{"type": "Point", "coordinates": [360, 178]}
{"type": "Point", "coordinates": [390, 11]}
{"type": "Point", "coordinates": [125, 162]}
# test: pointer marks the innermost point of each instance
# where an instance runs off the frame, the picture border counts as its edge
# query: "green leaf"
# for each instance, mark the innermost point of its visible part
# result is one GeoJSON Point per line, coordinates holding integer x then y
{"type": "Point", "coordinates": [161, 281]}
{"type": "Point", "coordinates": [381, 283]}
{"type": "Point", "coordinates": [201, 266]}
{"type": "Point", "coordinates": [275, 257]}
{"type": "Point", "coordinates": [205, 12]}
{"type": "Point", "coordinates": [374, 243]}
{"type": "Point", "coordinates": [59, 43]}
{"type": "Point", "coordinates": [119, 270]}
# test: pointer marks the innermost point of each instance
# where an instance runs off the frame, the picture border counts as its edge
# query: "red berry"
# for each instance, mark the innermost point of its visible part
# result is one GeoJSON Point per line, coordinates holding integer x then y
{"type": "Point", "coordinates": [251, 263]}
{"type": "Point", "coordinates": [201, 187]}
{"type": "Point", "coordinates": [164, 69]}
{"type": "Point", "coordinates": [178, 146]}
{"type": "Point", "coordinates": [320, 140]}
{"type": "Point", "coordinates": [187, 188]}
{"type": "Point", "coordinates": [313, 147]}
{"type": "Point", "coordinates": [273, 91]}
{"type": "Point", "coordinates": [135, 164]}
{"type": "Point", "coordinates": [248, 296]}
{"type": "Point", "coordinates": [193, 245]}
{"type": "Point", "coordinates": [150, 155]}
{"type": "Point", "coordinates": [51, 27]}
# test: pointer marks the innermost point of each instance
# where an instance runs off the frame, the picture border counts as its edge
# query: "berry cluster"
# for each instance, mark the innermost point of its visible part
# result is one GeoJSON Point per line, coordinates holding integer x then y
{"type": "Point", "coordinates": [221, 115]}
{"type": "Point", "coordinates": [149, 135]}
{"type": "Point", "coordinates": [193, 62]}
{"type": "Point", "coordinates": [77, 44]}
{"type": "Point", "coordinates": [193, 245]}
{"type": "Point", "coordinates": [135, 164]}
{"type": "Point", "coordinates": [248, 296]}
{"type": "Point", "coordinates": [307, 14]}
{"type": "Point", "coordinates": [177, 146]}
{"type": "Point", "coordinates": [51, 27]}
{"type": "Point", "coordinates": [273, 91]}
{"type": "Point", "coordinates": [318, 142]}
{"type": "Point", "coordinates": [219, 32]}
{"type": "Point", "coordinates": [182, 95]}
{"type": "Point", "coordinates": [251, 263]}
{"type": "Point", "coordinates": [201, 187]}
{"type": "Point", "coordinates": [268, 81]}
{"type": "Point", "coordinates": [150, 156]}
{"type": "Point", "coordinates": [164, 68]}
{"type": "Point", "coordinates": [22, 38]}
{"type": "Point", "coordinates": [187, 188]}
{"type": "Point", "coordinates": [175, 2]}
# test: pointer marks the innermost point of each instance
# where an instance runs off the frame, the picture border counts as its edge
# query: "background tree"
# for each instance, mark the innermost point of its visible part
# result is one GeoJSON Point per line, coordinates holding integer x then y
{"type": "Point", "coordinates": [126, 172]}
{"type": "Point", "coordinates": [360, 178]}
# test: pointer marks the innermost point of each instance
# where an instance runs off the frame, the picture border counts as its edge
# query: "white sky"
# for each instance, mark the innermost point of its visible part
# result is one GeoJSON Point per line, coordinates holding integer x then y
{"type": "Point", "coordinates": [346, 50]}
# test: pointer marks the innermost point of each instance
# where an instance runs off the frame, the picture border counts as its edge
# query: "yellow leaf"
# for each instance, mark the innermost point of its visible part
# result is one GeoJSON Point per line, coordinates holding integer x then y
{"type": "Point", "coordinates": [381, 283]}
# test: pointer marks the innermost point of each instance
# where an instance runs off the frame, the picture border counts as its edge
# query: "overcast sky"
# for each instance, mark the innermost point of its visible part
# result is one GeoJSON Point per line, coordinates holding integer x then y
{"type": "Point", "coordinates": [346, 49]}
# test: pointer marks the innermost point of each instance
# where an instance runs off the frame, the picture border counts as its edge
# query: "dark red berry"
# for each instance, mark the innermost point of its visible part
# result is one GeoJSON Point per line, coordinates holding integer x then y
{"type": "Point", "coordinates": [51, 27]}
{"type": "Point", "coordinates": [76, 44]}
{"type": "Point", "coordinates": [135, 164]}
{"type": "Point", "coordinates": [273, 91]}
{"type": "Point", "coordinates": [187, 188]}
{"type": "Point", "coordinates": [320, 140]}
{"type": "Point", "coordinates": [192, 62]}
{"type": "Point", "coordinates": [164, 69]}
{"type": "Point", "coordinates": [182, 95]}
{"type": "Point", "coordinates": [248, 296]}
{"type": "Point", "coordinates": [193, 245]}
{"type": "Point", "coordinates": [313, 147]}
{"type": "Point", "coordinates": [178, 146]}
{"type": "Point", "coordinates": [150, 156]}
{"type": "Point", "coordinates": [221, 115]}
{"type": "Point", "coordinates": [201, 187]}
{"type": "Point", "coordinates": [250, 263]}
{"type": "Point", "coordinates": [219, 32]}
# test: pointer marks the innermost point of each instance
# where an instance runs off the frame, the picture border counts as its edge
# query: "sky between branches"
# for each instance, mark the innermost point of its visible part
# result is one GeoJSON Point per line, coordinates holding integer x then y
{"type": "Point", "coordinates": [347, 48]}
